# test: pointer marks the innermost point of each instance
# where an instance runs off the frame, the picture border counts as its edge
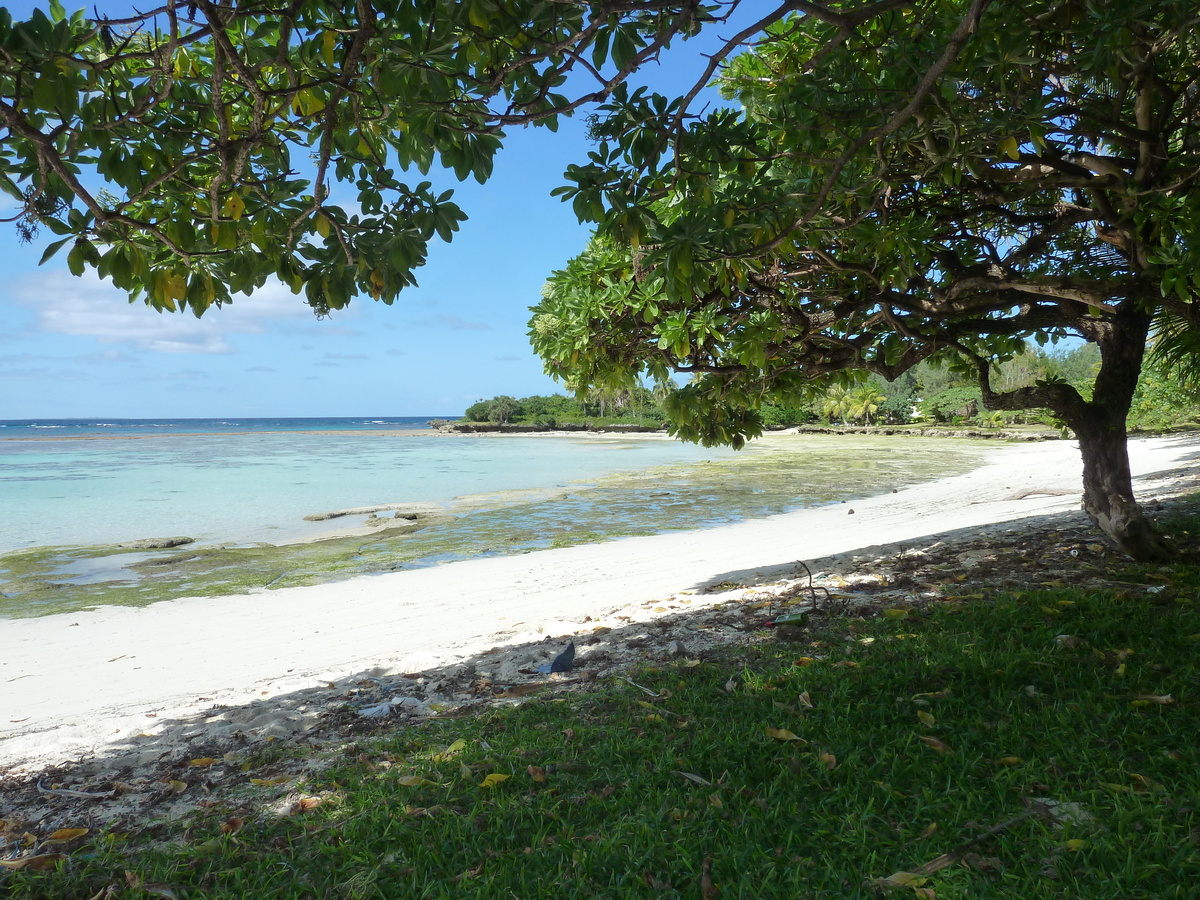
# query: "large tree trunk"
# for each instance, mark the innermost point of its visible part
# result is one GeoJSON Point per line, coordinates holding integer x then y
{"type": "Point", "coordinates": [1103, 440]}
{"type": "Point", "coordinates": [1099, 424]}
{"type": "Point", "coordinates": [1108, 489]}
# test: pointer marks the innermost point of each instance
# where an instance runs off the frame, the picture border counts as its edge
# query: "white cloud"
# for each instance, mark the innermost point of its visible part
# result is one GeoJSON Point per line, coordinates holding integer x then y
{"type": "Point", "coordinates": [63, 304]}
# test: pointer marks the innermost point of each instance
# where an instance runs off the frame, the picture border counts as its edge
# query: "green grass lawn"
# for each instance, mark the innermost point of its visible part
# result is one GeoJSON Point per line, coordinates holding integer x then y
{"type": "Point", "coordinates": [1046, 740]}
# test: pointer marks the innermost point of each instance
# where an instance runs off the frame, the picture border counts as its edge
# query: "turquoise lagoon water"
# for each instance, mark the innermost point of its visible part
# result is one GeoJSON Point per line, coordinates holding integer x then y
{"type": "Point", "coordinates": [241, 481]}
{"type": "Point", "coordinates": [241, 489]}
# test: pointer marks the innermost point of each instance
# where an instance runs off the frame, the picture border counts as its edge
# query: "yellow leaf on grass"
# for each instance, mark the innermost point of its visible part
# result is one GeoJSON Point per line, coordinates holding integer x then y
{"type": "Point", "coordinates": [782, 734]}
{"type": "Point", "coordinates": [805, 700]}
{"type": "Point", "coordinates": [494, 779]}
{"type": "Point", "coordinates": [829, 761]}
{"type": "Point", "coordinates": [926, 718]}
{"type": "Point", "coordinates": [901, 880]}
{"type": "Point", "coordinates": [1147, 699]}
{"type": "Point", "coordinates": [1075, 844]}
{"type": "Point", "coordinates": [270, 782]}
{"type": "Point", "coordinates": [66, 834]}
{"type": "Point", "coordinates": [457, 747]}
{"type": "Point", "coordinates": [537, 773]}
{"type": "Point", "coordinates": [1008, 761]}
{"type": "Point", "coordinates": [894, 613]}
{"type": "Point", "coordinates": [1142, 783]}
{"type": "Point", "coordinates": [934, 743]}
{"type": "Point", "coordinates": [38, 863]}
{"type": "Point", "coordinates": [414, 781]}
{"type": "Point", "coordinates": [928, 831]}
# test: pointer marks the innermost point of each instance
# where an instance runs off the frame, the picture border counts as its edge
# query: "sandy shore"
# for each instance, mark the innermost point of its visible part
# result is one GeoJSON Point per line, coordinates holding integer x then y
{"type": "Point", "coordinates": [104, 681]}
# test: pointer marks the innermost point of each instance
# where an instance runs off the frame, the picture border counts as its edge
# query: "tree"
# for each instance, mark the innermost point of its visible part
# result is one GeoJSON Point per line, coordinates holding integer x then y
{"type": "Point", "coordinates": [503, 408]}
{"type": "Point", "coordinates": [835, 403]}
{"type": "Point", "coordinates": [864, 402]}
{"type": "Point", "coordinates": [171, 150]}
{"type": "Point", "coordinates": [942, 182]}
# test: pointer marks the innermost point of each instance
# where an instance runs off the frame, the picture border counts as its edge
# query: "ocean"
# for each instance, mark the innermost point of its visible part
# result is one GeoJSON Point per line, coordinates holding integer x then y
{"type": "Point", "coordinates": [241, 489]}
{"type": "Point", "coordinates": [75, 482]}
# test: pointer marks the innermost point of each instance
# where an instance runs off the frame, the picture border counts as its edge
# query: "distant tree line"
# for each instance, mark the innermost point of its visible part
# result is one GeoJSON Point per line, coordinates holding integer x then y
{"type": "Point", "coordinates": [637, 405]}
{"type": "Point", "coordinates": [926, 394]}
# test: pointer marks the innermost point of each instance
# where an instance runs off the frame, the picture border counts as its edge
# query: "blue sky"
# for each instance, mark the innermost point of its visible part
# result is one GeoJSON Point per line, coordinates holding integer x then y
{"type": "Point", "coordinates": [75, 347]}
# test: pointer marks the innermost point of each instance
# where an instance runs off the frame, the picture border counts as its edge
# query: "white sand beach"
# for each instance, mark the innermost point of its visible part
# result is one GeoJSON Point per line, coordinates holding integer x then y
{"type": "Point", "coordinates": [89, 683]}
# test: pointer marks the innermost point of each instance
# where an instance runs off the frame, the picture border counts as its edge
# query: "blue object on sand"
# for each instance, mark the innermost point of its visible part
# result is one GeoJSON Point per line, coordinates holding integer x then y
{"type": "Point", "coordinates": [564, 662]}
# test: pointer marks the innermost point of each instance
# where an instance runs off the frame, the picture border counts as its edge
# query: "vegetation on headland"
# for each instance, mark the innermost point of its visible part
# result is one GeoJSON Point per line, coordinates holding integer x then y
{"type": "Point", "coordinates": [926, 395]}
{"type": "Point", "coordinates": [1036, 741]}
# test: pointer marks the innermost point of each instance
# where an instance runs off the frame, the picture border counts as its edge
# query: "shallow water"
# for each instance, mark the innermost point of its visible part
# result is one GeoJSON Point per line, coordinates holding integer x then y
{"type": "Point", "coordinates": [248, 487]}
{"type": "Point", "coordinates": [243, 496]}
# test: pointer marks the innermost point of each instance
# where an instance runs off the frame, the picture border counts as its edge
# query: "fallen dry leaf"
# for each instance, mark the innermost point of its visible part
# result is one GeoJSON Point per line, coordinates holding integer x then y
{"type": "Point", "coordinates": [707, 888]}
{"type": "Point", "coordinates": [537, 773]}
{"type": "Point", "coordinates": [154, 890]}
{"type": "Point", "coordinates": [805, 700]}
{"type": "Point", "coordinates": [698, 779]}
{"type": "Point", "coordinates": [927, 719]}
{"type": "Point", "coordinates": [782, 734]}
{"type": "Point", "coordinates": [39, 863]}
{"type": "Point", "coordinates": [457, 747]}
{"type": "Point", "coordinates": [494, 779]}
{"type": "Point", "coordinates": [270, 782]}
{"type": "Point", "coordinates": [233, 825]}
{"type": "Point", "coordinates": [899, 881]}
{"type": "Point", "coordinates": [1008, 761]}
{"type": "Point", "coordinates": [414, 781]}
{"type": "Point", "coordinates": [934, 743]}
{"type": "Point", "coordinates": [829, 761]}
{"type": "Point", "coordinates": [202, 763]}
{"type": "Point", "coordinates": [303, 805]}
{"type": "Point", "coordinates": [1148, 699]}
{"type": "Point", "coordinates": [66, 834]}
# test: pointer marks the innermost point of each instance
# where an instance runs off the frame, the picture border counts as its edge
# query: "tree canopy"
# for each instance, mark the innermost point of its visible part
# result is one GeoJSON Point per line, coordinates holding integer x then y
{"type": "Point", "coordinates": [192, 151]}
{"type": "Point", "coordinates": [943, 181]}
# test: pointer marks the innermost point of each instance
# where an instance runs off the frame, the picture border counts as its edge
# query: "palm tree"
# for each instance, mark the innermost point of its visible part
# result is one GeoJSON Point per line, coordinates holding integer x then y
{"type": "Point", "coordinates": [1175, 348]}
{"type": "Point", "coordinates": [836, 403]}
{"type": "Point", "coordinates": [864, 401]}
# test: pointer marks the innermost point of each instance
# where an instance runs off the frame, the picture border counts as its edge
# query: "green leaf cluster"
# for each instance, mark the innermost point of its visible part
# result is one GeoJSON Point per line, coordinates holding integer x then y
{"type": "Point", "coordinates": [944, 182]}
{"type": "Point", "coordinates": [193, 151]}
